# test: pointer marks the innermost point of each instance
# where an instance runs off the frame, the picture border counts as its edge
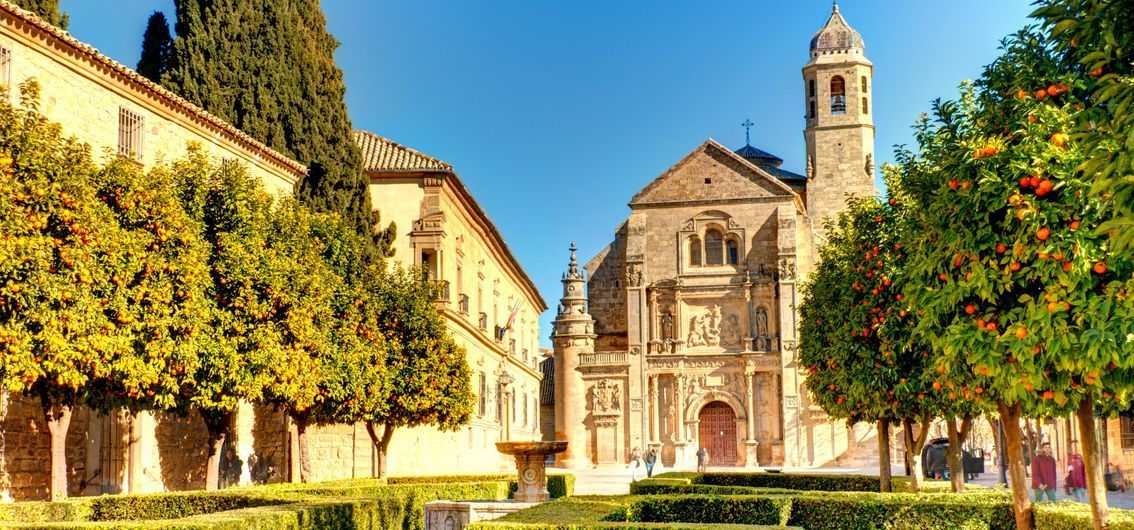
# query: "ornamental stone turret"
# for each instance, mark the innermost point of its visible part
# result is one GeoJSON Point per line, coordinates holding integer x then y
{"type": "Point", "coordinates": [573, 335]}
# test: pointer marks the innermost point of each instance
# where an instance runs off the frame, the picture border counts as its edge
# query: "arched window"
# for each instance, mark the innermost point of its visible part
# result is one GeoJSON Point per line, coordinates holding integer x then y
{"type": "Point", "coordinates": [864, 88]}
{"type": "Point", "coordinates": [714, 247]}
{"type": "Point", "coordinates": [838, 95]}
{"type": "Point", "coordinates": [865, 106]}
{"type": "Point", "coordinates": [732, 251]}
{"type": "Point", "coordinates": [695, 251]}
{"type": "Point", "coordinates": [811, 108]}
{"type": "Point", "coordinates": [811, 87]}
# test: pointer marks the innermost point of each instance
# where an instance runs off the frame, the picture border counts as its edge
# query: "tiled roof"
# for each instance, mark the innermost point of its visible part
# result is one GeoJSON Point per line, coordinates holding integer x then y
{"type": "Point", "coordinates": [383, 154]}
{"type": "Point", "coordinates": [753, 153]}
{"type": "Point", "coordinates": [132, 77]}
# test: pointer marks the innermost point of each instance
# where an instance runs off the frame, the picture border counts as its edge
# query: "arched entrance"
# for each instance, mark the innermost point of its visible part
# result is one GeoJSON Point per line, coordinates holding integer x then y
{"type": "Point", "coordinates": [717, 433]}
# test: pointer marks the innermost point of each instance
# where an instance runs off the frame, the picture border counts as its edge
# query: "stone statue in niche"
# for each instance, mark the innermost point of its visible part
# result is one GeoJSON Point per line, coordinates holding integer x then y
{"type": "Point", "coordinates": [606, 396]}
{"type": "Point", "coordinates": [730, 332]}
{"type": "Point", "coordinates": [667, 326]}
{"type": "Point", "coordinates": [870, 164]}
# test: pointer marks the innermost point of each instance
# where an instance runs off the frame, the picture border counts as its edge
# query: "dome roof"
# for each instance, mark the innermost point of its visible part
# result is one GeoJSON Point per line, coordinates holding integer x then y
{"type": "Point", "coordinates": [836, 35]}
{"type": "Point", "coordinates": [759, 156]}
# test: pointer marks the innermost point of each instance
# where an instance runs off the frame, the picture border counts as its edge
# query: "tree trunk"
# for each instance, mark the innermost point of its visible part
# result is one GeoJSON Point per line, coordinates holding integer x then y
{"type": "Point", "coordinates": [1096, 488]}
{"type": "Point", "coordinates": [216, 423]}
{"type": "Point", "coordinates": [884, 455]}
{"type": "Point", "coordinates": [381, 445]}
{"type": "Point", "coordinates": [58, 418]}
{"type": "Point", "coordinates": [914, 444]}
{"type": "Point", "coordinates": [955, 454]}
{"type": "Point", "coordinates": [1014, 439]}
{"type": "Point", "coordinates": [5, 480]}
{"type": "Point", "coordinates": [300, 421]}
{"type": "Point", "coordinates": [998, 446]}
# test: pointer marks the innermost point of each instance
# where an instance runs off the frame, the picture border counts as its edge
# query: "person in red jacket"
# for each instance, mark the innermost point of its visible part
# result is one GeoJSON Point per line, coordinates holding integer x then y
{"type": "Point", "coordinates": [1076, 473]}
{"type": "Point", "coordinates": [1043, 474]}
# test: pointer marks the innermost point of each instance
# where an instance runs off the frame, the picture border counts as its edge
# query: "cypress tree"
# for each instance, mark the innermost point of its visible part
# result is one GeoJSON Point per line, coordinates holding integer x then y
{"type": "Point", "coordinates": [47, 10]}
{"type": "Point", "coordinates": [156, 46]}
{"type": "Point", "coordinates": [267, 66]}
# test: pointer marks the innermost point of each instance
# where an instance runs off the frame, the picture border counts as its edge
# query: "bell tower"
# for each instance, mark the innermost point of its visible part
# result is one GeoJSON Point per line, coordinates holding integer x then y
{"type": "Point", "coordinates": [838, 84]}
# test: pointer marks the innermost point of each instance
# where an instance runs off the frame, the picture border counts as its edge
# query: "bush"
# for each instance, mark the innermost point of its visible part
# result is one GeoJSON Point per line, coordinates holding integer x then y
{"type": "Point", "coordinates": [669, 487]}
{"type": "Point", "coordinates": [770, 510]}
{"type": "Point", "coordinates": [902, 485]}
{"type": "Point", "coordinates": [1068, 515]}
{"type": "Point", "coordinates": [806, 482]}
{"type": "Point", "coordinates": [897, 510]}
{"type": "Point", "coordinates": [361, 504]}
{"type": "Point", "coordinates": [496, 525]}
{"type": "Point", "coordinates": [558, 484]}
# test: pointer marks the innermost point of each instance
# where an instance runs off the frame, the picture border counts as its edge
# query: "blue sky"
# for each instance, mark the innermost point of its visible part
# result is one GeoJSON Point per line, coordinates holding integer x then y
{"type": "Point", "coordinates": [555, 113]}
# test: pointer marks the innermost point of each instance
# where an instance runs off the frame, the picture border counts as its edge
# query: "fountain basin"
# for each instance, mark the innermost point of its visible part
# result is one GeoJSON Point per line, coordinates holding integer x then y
{"type": "Point", "coordinates": [531, 466]}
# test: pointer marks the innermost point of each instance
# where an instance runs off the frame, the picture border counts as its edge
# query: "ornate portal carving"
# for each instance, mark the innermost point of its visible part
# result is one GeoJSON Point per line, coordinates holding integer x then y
{"type": "Point", "coordinates": [730, 332]}
{"type": "Point", "coordinates": [705, 329]}
{"type": "Point", "coordinates": [787, 269]}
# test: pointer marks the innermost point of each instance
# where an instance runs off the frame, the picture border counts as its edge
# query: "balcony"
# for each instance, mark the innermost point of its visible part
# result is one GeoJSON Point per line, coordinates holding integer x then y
{"type": "Point", "coordinates": [463, 304]}
{"type": "Point", "coordinates": [606, 357]}
{"type": "Point", "coordinates": [442, 291]}
{"type": "Point", "coordinates": [482, 322]}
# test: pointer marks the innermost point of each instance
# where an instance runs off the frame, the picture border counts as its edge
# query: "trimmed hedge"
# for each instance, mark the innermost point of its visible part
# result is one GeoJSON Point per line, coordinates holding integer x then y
{"type": "Point", "coordinates": [558, 484]}
{"type": "Point", "coordinates": [496, 525]}
{"type": "Point", "coordinates": [346, 505]}
{"type": "Point", "coordinates": [578, 513]}
{"type": "Point", "coordinates": [771, 510]}
{"type": "Point", "coordinates": [792, 481]}
{"type": "Point", "coordinates": [897, 510]}
{"type": "Point", "coordinates": [1067, 515]}
{"type": "Point", "coordinates": [649, 487]}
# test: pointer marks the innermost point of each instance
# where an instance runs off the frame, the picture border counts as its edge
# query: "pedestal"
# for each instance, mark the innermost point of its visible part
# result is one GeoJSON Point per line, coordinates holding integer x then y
{"type": "Point", "coordinates": [680, 459]}
{"type": "Point", "coordinates": [456, 515]}
{"type": "Point", "coordinates": [752, 460]}
{"type": "Point", "coordinates": [532, 487]}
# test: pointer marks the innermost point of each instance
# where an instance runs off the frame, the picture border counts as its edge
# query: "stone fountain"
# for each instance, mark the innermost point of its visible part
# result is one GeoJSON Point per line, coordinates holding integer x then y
{"type": "Point", "coordinates": [531, 468]}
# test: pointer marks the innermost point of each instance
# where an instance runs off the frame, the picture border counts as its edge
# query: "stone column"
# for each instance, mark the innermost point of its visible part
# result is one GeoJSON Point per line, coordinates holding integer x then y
{"type": "Point", "coordinates": [244, 424]}
{"type": "Point", "coordinates": [752, 444]}
{"type": "Point", "coordinates": [655, 427]}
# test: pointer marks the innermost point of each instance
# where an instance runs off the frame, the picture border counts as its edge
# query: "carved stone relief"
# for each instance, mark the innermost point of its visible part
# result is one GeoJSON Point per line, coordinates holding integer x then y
{"type": "Point", "coordinates": [787, 269]}
{"type": "Point", "coordinates": [634, 275]}
{"type": "Point", "coordinates": [606, 397]}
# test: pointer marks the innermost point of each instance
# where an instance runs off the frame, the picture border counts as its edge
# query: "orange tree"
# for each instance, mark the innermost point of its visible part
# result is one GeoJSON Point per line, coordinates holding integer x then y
{"type": "Point", "coordinates": [237, 338]}
{"type": "Point", "coordinates": [301, 287]}
{"type": "Point", "coordinates": [855, 342]}
{"type": "Point", "coordinates": [429, 381]}
{"type": "Point", "coordinates": [1016, 291]}
{"type": "Point", "coordinates": [1099, 34]}
{"type": "Point", "coordinates": [100, 280]}
{"type": "Point", "coordinates": [58, 246]}
{"type": "Point", "coordinates": [352, 374]}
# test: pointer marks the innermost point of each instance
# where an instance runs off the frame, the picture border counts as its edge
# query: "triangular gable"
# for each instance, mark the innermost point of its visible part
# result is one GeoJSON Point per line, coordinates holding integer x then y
{"type": "Point", "coordinates": [732, 176]}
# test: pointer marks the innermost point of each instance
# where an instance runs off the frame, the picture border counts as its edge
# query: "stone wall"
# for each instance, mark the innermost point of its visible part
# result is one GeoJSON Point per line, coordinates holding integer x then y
{"type": "Point", "coordinates": [25, 454]}
{"type": "Point", "coordinates": [606, 294]}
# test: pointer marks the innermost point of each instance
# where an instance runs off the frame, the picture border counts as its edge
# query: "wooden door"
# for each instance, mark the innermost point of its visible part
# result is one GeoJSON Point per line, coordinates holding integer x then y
{"type": "Point", "coordinates": [717, 433]}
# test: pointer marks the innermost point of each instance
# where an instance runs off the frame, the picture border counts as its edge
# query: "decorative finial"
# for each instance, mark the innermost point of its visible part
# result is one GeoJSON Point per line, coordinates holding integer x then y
{"type": "Point", "coordinates": [573, 267]}
{"type": "Point", "coordinates": [747, 127]}
{"type": "Point", "coordinates": [835, 6]}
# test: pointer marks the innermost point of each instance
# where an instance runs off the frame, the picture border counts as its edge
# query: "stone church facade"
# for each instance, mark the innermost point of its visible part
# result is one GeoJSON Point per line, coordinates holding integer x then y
{"type": "Point", "coordinates": [682, 332]}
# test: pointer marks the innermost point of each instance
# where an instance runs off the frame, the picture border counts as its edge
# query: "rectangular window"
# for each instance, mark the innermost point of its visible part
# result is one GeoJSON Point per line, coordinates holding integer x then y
{"type": "Point", "coordinates": [131, 127]}
{"type": "Point", "coordinates": [483, 404]}
{"type": "Point", "coordinates": [865, 106]}
{"type": "Point", "coordinates": [526, 408]}
{"type": "Point", "coordinates": [1126, 424]}
{"type": "Point", "coordinates": [499, 403]}
{"type": "Point", "coordinates": [6, 67]}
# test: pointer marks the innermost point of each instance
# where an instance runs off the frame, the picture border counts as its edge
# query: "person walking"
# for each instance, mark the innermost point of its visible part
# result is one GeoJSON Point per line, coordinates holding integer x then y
{"type": "Point", "coordinates": [635, 462]}
{"type": "Point", "coordinates": [1076, 482]}
{"type": "Point", "coordinates": [702, 460]}
{"type": "Point", "coordinates": [938, 465]}
{"type": "Point", "coordinates": [651, 458]}
{"type": "Point", "coordinates": [1043, 474]}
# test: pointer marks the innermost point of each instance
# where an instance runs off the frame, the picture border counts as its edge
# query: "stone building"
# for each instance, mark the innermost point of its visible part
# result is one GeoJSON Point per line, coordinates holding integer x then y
{"type": "Point", "coordinates": [442, 229]}
{"type": "Point", "coordinates": [117, 112]}
{"type": "Point", "coordinates": [682, 332]}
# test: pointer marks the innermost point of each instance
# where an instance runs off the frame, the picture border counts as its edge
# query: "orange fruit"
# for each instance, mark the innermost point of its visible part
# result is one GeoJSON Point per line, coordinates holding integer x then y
{"type": "Point", "coordinates": [1099, 268]}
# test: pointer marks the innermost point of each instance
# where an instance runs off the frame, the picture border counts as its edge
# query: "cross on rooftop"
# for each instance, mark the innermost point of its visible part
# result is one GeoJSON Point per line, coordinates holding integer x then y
{"type": "Point", "coordinates": [747, 127]}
